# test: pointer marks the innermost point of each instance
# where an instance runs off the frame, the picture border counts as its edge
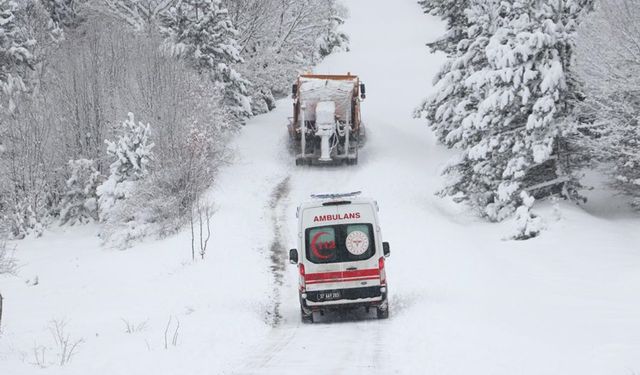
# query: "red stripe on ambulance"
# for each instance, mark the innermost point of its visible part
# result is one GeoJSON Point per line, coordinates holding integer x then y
{"type": "Point", "coordinates": [331, 277]}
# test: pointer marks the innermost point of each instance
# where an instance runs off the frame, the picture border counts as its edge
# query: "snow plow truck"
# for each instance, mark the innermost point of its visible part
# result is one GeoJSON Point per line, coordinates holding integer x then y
{"type": "Point", "coordinates": [326, 126]}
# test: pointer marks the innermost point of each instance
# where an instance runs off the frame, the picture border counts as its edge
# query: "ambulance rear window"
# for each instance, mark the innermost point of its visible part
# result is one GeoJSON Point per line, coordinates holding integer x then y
{"type": "Point", "coordinates": [340, 243]}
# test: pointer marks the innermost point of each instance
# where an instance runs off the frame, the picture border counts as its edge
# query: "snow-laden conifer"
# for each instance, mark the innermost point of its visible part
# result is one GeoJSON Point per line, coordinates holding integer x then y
{"type": "Point", "coordinates": [507, 105]}
{"type": "Point", "coordinates": [201, 32]}
{"type": "Point", "coordinates": [454, 13]}
{"type": "Point", "coordinates": [455, 99]}
{"type": "Point", "coordinates": [63, 12]}
{"type": "Point", "coordinates": [80, 203]}
{"type": "Point", "coordinates": [132, 154]}
{"type": "Point", "coordinates": [16, 54]}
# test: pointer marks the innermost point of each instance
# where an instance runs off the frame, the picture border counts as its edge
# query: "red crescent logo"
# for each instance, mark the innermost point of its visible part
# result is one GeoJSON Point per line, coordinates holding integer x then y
{"type": "Point", "coordinates": [315, 250]}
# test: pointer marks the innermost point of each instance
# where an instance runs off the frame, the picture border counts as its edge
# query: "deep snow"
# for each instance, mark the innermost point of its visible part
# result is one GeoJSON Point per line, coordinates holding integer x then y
{"type": "Point", "coordinates": [463, 300]}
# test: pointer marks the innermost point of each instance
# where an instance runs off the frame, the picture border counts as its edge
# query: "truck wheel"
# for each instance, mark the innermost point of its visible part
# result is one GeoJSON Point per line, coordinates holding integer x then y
{"type": "Point", "coordinates": [382, 313]}
{"type": "Point", "coordinates": [306, 318]}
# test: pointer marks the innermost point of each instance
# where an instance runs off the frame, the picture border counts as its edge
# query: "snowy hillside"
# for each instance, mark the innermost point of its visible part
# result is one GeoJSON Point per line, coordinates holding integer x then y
{"type": "Point", "coordinates": [463, 300]}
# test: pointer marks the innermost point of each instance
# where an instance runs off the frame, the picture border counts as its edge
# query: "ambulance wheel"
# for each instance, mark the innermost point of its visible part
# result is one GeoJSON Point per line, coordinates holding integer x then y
{"type": "Point", "coordinates": [382, 313]}
{"type": "Point", "coordinates": [306, 318]}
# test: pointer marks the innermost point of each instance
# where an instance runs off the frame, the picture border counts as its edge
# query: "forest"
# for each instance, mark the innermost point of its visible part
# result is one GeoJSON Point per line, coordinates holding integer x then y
{"type": "Point", "coordinates": [120, 111]}
{"type": "Point", "coordinates": [534, 94]}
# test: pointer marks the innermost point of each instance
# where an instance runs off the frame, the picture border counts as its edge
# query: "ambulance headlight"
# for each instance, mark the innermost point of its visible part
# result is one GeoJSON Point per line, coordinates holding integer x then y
{"type": "Point", "coordinates": [304, 296]}
{"type": "Point", "coordinates": [383, 290]}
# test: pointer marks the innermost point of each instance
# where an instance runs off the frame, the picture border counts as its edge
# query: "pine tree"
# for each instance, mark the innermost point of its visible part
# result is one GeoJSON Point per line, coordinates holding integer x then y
{"type": "Point", "coordinates": [202, 32]}
{"type": "Point", "coordinates": [132, 154]}
{"type": "Point", "coordinates": [454, 13]}
{"type": "Point", "coordinates": [16, 54]}
{"type": "Point", "coordinates": [454, 98]}
{"type": "Point", "coordinates": [510, 110]}
{"type": "Point", "coordinates": [63, 12]}
{"type": "Point", "coordinates": [80, 204]}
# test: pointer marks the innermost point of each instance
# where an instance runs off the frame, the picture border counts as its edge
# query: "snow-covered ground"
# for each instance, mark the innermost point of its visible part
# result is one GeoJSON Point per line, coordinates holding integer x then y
{"type": "Point", "coordinates": [463, 300]}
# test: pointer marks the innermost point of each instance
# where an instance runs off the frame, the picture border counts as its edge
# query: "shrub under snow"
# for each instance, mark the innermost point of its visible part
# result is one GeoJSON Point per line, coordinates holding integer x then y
{"type": "Point", "coordinates": [80, 201]}
{"type": "Point", "coordinates": [527, 225]}
{"type": "Point", "coordinates": [132, 152]}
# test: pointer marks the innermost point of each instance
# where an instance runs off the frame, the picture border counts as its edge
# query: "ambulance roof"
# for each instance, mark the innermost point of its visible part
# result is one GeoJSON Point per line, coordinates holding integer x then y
{"type": "Point", "coordinates": [336, 202]}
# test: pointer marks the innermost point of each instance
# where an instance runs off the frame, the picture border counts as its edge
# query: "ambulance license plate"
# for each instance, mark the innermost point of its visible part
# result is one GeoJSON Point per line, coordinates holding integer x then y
{"type": "Point", "coordinates": [329, 295]}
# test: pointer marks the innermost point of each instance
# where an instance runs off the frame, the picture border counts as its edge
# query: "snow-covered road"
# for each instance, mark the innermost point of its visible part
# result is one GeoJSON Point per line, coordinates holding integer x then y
{"type": "Point", "coordinates": [463, 301]}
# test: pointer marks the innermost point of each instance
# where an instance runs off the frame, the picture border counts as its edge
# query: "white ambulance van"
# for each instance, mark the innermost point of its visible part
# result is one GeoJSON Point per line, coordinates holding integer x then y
{"type": "Point", "coordinates": [341, 257]}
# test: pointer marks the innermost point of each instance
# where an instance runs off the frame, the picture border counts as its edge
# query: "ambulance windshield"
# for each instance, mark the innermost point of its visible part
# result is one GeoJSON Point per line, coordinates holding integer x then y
{"type": "Point", "coordinates": [340, 243]}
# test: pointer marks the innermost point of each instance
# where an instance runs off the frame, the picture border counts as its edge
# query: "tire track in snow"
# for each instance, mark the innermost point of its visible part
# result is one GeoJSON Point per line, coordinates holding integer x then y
{"type": "Point", "coordinates": [263, 360]}
{"type": "Point", "coordinates": [261, 356]}
{"type": "Point", "coordinates": [276, 248]}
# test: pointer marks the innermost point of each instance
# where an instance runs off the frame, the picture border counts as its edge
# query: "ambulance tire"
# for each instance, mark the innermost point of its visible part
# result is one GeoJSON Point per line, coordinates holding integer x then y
{"type": "Point", "coordinates": [306, 318]}
{"type": "Point", "coordinates": [382, 313]}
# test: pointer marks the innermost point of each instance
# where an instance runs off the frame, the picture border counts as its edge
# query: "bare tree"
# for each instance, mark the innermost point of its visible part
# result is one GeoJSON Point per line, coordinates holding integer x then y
{"type": "Point", "coordinates": [609, 63]}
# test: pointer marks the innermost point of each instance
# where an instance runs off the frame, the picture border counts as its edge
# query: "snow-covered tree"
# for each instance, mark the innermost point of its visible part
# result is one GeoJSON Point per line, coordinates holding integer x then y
{"type": "Point", "coordinates": [202, 32]}
{"type": "Point", "coordinates": [24, 220]}
{"type": "Point", "coordinates": [454, 13]}
{"type": "Point", "coordinates": [333, 40]}
{"type": "Point", "coordinates": [527, 224]}
{"type": "Point", "coordinates": [80, 201]}
{"type": "Point", "coordinates": [608, 60]}
{"type": "Point", "coordinates": [16, 55]}
{"type": "Point", "coordinates": [139, 14]}
{"type": "Point", "coordinates": [63, 12]}
{"type": "Point", "coordinates": [280, 38]}
{"type": "Point", "coordinates": [85, 78]}
{"type": "Point", "coordinates": [454, 100]}
{"type": "Point", "coordinates": [132, 154]}
{"type": "Point", "coordinates": [511, 114]}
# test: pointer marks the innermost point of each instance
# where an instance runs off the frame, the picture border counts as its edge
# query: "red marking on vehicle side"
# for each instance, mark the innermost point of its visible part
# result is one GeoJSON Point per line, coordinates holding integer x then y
{"type": "Point", "coordinates": [338, 276]}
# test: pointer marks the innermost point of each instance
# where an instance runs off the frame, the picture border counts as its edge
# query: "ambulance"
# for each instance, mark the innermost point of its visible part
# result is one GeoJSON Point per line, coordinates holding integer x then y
{"type": "Point", "coordinates": [340, 256]}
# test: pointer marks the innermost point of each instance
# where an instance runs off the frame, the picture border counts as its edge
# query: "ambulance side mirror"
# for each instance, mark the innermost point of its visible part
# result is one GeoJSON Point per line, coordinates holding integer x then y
{"type": "Point", "coordinates": [386, 249]}
{"type": "Point", "coordinates": [293, 256]}
{"type": "Point", "coordinates": [294, 90]}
